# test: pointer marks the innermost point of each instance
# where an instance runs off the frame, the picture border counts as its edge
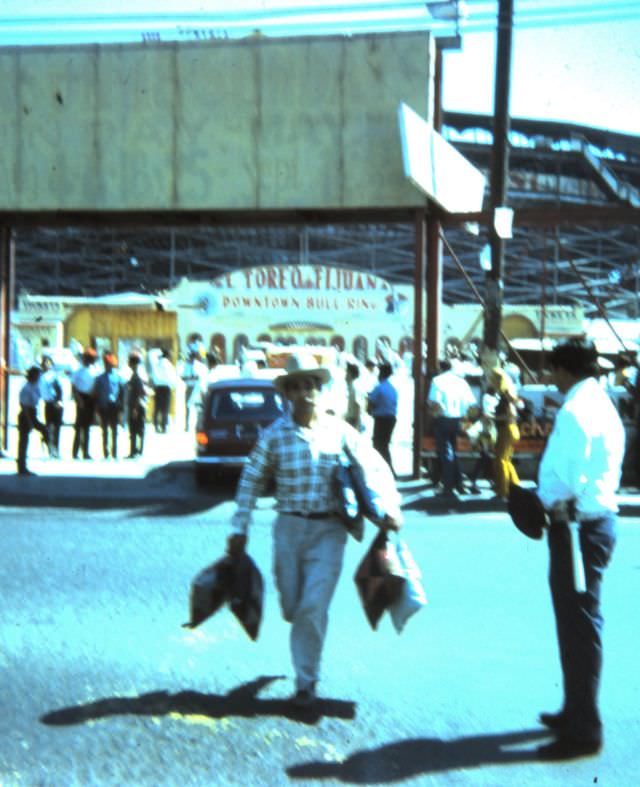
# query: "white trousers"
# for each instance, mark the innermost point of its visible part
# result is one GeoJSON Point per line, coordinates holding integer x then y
{"type": "Point", "coordinates": [307, 561]}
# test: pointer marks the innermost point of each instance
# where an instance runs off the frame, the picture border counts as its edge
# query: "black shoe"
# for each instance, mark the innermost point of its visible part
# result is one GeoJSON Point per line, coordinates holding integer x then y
{"type": "Point", "coordinates": [567, 748]}
{"type": "Point", "coordinates": [24, 471]}
{"type": "Point", "coordinates": [446, 494]}
{"type": "Point", "coordinates": [304, 699]}
{"type": "Point", "coordinates": [554, 721]}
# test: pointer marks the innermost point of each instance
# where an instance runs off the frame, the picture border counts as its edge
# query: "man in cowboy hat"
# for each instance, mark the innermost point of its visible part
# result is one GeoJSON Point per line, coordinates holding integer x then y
{"type": "Point", "coordinates": [300, 452]}
{"type": "Point", "coordinates": [580, 470]}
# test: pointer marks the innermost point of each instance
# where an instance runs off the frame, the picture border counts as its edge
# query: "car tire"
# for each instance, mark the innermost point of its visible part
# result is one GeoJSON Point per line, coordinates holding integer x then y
{"type": "Point", "coordinates": [203, 476]}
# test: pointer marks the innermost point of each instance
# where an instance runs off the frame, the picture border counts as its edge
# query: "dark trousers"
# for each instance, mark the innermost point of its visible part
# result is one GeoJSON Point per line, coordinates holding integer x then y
{"type": "Point", "coordinates": [136, 419]}
{"type": "Point", "coordinates": [161, 402]}
{"type": "Point", "coordinates": [109, 417]}
{"type": "Point", "coordinates": [445, 431]}
{"type": "Point", "coordinates": [27, 420]}
{"type": "Point", "coordinates": [483, 467]}
{"type": "Point", "coordinates": [383, 426]}
{"type": "Point", "coordinates": [85, 409]}
{"type": "Point", "coordinates": [53, 422]}
{"type": "Point", "coordinates": [579, 619]}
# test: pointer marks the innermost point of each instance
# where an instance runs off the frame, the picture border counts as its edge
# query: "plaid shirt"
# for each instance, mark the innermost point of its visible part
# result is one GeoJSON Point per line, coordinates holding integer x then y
{"type": "Point", "coordinates": [302, 460]}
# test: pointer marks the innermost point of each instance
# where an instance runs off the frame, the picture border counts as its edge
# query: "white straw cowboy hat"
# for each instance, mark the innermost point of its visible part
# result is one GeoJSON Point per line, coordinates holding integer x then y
{"type": "Point", "coordinates": [301, 365]}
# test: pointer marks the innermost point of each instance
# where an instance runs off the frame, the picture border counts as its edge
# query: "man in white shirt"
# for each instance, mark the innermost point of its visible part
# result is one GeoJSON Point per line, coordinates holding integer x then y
{"type": "Point", "coordinates": [580, 472]}
{"type": "Point", "coordinates": [449, 399]}
{"type": "Point", "coordinates": [51, 393]}
{"type": "Point", "coordinates": [163, 377]}
{"type": "Point", "coordinates": [193, 373]}
{"type": "Point", "coordinates": [82, 385]}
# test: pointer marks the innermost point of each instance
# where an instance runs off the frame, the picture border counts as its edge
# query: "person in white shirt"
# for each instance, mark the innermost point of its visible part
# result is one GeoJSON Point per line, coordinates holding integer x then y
{"type": "Point", "coordinates": [163, 377]}
{"type": "Point", "coordinates": [578, 479]}
{"type": "Point", "coordinates": [51, 393]}
{"type": "Point", "coordinates": [213, 373]}
{"type": "Point", "coordinates": [450, 398]}
{"type": "Point", "coordinates": [82, 385]}
{"type": "Point", "coordinates": [193, 373]}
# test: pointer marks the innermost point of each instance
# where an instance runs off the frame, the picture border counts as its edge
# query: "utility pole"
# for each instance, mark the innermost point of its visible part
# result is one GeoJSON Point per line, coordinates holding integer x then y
{"type": "Point", "coordinates": [7, 279]}
{"type": "Point", "coordinates": [498, 183]}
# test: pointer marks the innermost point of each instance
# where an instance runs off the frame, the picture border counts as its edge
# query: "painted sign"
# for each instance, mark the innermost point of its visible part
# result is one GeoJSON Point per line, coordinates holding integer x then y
{"type": "Point", "coordinates": [302, 291]}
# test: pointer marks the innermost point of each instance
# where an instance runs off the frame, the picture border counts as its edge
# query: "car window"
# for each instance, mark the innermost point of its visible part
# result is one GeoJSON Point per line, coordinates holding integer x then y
{"type": "Point", "coordinates": [248, 405]}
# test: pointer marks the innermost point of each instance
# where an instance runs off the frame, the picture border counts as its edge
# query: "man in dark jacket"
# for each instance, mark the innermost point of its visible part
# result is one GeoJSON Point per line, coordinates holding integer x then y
{"type": "Point", "coordinates": [109, 393]}
{"type": "Point", "coordinates": [136, 390]}
{"type": "Point", "coordinates": [28, 417]}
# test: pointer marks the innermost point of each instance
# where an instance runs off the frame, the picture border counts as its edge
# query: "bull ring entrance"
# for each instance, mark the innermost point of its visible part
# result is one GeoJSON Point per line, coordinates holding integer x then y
{"type": "Point", "coordinates": [225, 133]}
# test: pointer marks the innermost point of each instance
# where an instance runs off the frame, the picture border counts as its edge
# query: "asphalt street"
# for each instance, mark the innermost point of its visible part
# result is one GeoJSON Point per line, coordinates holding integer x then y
{"type": "Point", "coordinates": [102, 686]}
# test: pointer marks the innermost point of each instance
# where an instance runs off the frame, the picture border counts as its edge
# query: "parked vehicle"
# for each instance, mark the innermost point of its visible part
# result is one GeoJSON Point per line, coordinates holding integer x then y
{"type": "Point", "coordinates": [233, 413]}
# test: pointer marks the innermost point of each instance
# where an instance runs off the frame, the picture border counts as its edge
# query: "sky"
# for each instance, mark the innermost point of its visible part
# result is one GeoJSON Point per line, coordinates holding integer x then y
{"type": "Point", "coordinates": [576, 61]}
{"type": "Point", "coordinates": [587, 74]}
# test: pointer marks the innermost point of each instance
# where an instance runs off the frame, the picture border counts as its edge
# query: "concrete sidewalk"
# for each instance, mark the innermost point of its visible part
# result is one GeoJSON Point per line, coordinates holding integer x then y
{"type": "Point", "coordinates": [165, 474]}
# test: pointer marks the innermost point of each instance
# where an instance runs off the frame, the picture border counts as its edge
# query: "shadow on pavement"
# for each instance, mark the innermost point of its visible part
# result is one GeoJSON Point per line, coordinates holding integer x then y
{"type": "Point", "coordinates": [242, 701]}
{"type": "Point", "coordinates": [461, 505]}
{"type": "Point", "coordinates": [406, 759]}
{"type": "Point", "coordinates": [163, 491]}
{"type": "Point", "coordinates": [423, 499]}
{"type": "Point", "coordinates": [629, 509]}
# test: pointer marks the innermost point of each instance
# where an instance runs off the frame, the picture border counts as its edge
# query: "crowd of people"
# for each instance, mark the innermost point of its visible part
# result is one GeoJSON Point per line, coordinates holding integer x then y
{"type": "Point", "coordinates": [110, 396]}
{"type": "Point", "coordinates": [104, 394]}
{"type": "Point", "coordinates": [488, 416]}
{"type": "Point", "coordinates": [489, 421]}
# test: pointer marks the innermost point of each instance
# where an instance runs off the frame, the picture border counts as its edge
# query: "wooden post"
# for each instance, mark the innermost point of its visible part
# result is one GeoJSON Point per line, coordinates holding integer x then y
{"type": "Point", "coordinates": [499, 182]}
{"type": "Point", "coordinates": [7, 271]}
{"type": "Point", "coordinates": [418, 340]}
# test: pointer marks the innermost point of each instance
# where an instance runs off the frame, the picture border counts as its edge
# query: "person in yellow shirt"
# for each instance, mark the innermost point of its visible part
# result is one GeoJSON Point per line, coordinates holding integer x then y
{"type": "Point", "coordinates": [507, 432]}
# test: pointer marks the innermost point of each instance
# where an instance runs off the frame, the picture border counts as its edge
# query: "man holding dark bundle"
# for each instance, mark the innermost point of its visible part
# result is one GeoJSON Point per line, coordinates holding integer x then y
{"type": "Point", "coordinates": [578, 480]}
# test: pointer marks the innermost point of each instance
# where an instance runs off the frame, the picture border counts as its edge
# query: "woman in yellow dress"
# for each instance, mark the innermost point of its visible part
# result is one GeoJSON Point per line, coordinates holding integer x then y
{"type": "Point", "coordinates": [507, 432]}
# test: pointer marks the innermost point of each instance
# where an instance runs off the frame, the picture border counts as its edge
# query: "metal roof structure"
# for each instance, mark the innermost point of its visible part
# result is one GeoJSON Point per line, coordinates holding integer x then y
{"type": "Point", "coordinates": [575, 190]}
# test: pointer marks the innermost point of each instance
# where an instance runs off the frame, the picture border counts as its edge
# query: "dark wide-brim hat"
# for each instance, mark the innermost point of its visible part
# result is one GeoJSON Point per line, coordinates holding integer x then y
{"type": "Point", "coordinates": [526, 511]}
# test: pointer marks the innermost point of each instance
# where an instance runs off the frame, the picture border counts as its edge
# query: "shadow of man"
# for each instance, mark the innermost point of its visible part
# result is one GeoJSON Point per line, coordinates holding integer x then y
{"type": "Point", "coordinates": [241, 701]}
{"type": "Point", "coordinates": [405, 759]}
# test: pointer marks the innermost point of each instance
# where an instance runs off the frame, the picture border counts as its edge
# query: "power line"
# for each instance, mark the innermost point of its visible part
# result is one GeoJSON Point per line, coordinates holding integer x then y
{"type": "Point", "coordinates": [474, 16]}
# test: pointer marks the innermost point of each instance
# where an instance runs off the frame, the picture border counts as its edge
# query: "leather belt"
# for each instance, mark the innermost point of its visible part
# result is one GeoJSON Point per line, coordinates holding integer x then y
{"type": "Point", "coordinates": [314, 515]}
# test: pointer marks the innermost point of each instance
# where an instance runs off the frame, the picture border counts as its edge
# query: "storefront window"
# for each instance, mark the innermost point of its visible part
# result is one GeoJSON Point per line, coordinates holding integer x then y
{"type": "Point", "coordinates": [406, 345]}
{"type": "Point", "coordinates": [361, 348]}
{"type": "Point", "coordinates": [218, 345]}
{"type": "Point", "coordinates": [241, 340]}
